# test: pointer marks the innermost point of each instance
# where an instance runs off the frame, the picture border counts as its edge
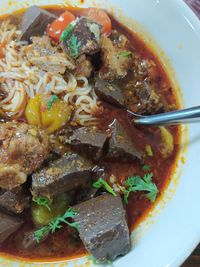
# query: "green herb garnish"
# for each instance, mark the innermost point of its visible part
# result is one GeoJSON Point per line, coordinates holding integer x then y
{"type": "Point", "coordinates": [56, 224]}
{"type": "Point", "coordinates": [51, 101]}
{"type": "Point", "coordinates": [137, 183]}
{"type": "Point", "coordinates": [149, 150]}
{"type": "Point", "coordinates": [43, 201]}
{"type": "Point", "coordinates": [98, 262]}
{"type": "Point", "coordinates": [66, 33]}
{"type": "Point", "coordinates": [125, 54]}
{"type": "Point", "coordinates": [102, 183]}
{"type": "Point", "coordinates": [74, 46]}
{"type": "Point", "coordinates": [146, 168]}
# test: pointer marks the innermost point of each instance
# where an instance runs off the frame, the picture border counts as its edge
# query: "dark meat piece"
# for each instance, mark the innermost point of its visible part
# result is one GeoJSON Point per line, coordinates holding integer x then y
{"type": "Point", "coordinates": [109, 92]}
{"type": "Point", "coordinates": [103, 227]}
{"type": "Point", "coordinates": [84, 67]}
{"type": "Point", "coordinates": [115, 64]}
{"type": "Point", "coordinates": [14, 201]}
{"type": "Point", "coordinates": [8, 225]}
{"type": "Point", "coordinates": [120, 145]}
{"type": "Point", "coordinates": [23, 148]}
{"type": "Point", "coordinates": [89, 141]}
{"type": "Point", "coordinates": [83, 39]}
{"type": "Point", "coordinates": [62, 175]}
{"type": "Point", "coordinates": [148, 101]}
{"type": "Point", "coordinates": [42, 54]}
{"type": "Point", "coordinates": [35, 21]}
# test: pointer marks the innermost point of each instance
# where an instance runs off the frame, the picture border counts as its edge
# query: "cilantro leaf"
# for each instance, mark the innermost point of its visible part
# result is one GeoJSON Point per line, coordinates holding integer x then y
{"type": "Point", "coordinates": [41, 233]}
{"type": "Point", "coordinates": [56, 224]}
{"type": "Point", "coordinates": [74, 46]}
{"type": "Point", "coordinates": [51, 101]}
{"type": "Point", "coordinates": [125, 54]}
{"type": "Point", "coordinates": [43, 201]}
{"type": "Point", "coordinates": [66, 33]}
{"type": "Point", "coordinates": [146, 168]}
{"type": "Point", "coordinates": [102, 183]}
{"type": "Point", "coordinates": [138, 184]}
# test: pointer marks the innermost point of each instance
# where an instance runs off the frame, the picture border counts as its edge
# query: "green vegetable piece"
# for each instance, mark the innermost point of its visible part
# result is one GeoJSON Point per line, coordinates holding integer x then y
{"type": "Point", "coordinates": [51, 101]}
{"type": "Point", "coordinates": [146, 168]}
{"type": "Point", "coordinates": [42, 216]}
{"type": "Point", "coordinates": [43, 201]}
{"type": "Point", "coordinates": [102, 183]}
{"type": "Point", "coordinates": [66, 33]}
{"type": "Point", "coordinates": [56, 224]}
{"type": "Point", "coordinates": [41, 233]}
{"type": "Point", "coordinates": [98, 262]}
{"type": "Point", "coordinates": [149, 151]}
{"type": "Point", "coordinates": [137, 183]}
{"type": "Point", "coordinates": [125, 54]}
{"type": "Point", "coordinates": [74, 46]}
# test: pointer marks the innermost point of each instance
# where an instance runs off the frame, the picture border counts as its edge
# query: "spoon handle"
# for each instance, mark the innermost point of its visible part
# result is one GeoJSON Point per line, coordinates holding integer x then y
{"type": "Point", "coordinates": [190, 115]}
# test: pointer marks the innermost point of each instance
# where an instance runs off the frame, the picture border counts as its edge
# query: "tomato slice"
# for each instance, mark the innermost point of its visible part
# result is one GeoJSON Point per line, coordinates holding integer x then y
{"type": "Point", "coordinates": [55, 29]}
{"type": "Point", "coordinates": [100, 17]}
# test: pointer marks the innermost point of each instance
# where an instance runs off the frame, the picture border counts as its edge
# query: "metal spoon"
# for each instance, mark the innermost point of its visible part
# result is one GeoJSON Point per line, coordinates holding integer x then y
{"type": "Point", "coordinates": [183, 116]}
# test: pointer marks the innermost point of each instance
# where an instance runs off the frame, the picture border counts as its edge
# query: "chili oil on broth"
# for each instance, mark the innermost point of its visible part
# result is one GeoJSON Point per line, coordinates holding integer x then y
{"type": "Point", "coordinates": [62, 244]}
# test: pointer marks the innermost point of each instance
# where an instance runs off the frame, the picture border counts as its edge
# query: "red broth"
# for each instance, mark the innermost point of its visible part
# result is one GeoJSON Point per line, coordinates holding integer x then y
{"type": "Point", "coordinates": [64, 244]}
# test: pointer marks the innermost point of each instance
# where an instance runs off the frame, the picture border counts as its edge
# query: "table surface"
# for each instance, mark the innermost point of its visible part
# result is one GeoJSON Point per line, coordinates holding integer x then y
{"type": "Point", "coordinates": [194, 259]}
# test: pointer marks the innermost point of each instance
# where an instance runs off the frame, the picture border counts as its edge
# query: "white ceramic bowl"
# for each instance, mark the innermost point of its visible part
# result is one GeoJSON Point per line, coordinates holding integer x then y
{"type": "Point", "coordinates": [172, 230]}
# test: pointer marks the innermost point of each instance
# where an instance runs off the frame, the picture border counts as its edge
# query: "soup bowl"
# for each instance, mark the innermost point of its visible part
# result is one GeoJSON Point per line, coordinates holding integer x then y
{"type": "Point", "coordinates": [170, 232]}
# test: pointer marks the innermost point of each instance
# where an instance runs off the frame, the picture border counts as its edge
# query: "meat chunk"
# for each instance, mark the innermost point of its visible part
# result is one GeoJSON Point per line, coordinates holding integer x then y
{"type": "Point", "coordinates": [116, 61]}
{"type": "Point", "coordinates": [8, 225]}
{"type": "Point", "coordinates": [89, 141]}
{"type": "Point", "coordinates": [84, 67]}
{"type": "Point", "coordinates": [35, 21]}
{"type": "Point", "coordinates": [103, 227]}
{"type": "Point", "coordinates": [121, 146]}
{"type": "Point", "coordinates": [14, 201]}
{"type": "Point", "coordinates": [84, 38]}
{"type": "Point", "coordinates": [42, 54]}
{"type": "Point", "coordinates": [109, 92]}
{"type": "Point", "coordinates": [23, 148]}
{"type": "Point", "coordinates": [148, 101]}
{"type": "Point", "coordinates": [62, 175]}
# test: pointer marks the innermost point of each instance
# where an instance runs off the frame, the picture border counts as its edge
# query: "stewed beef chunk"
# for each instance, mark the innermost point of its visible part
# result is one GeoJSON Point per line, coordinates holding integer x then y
{"type": "Point", "coordinates": [84, 38]}
{"type": "Point", "coordinates": [103, 227]}
{"type": "Point", "coordinates": [34, 22]}
{"type": "Point", "coordinates": [89, 141]}
{"type": "Point", "coordinates": [109, 92]}
{"type": "Point", "coordinates": [15, 200]}
{"type": "Point", "coordinates": [62, 175]}
{"type": "Point", "coordinates": [120, 145]}
{"type": "Point", "coordinates": [23, 148]}
{"type": "Point", "coordinates": [8, 225]}
{"type": "Point", "coordinates": [115, 57]}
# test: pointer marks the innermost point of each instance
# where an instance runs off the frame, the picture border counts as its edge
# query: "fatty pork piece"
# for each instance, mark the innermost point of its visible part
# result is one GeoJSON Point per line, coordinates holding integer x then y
{"type": "Point", "coordinates": [103, 227]}
{"type": "Point", "coordinates": [84, 38]}
{"type": "Point", "coordinates": [8, 225]}
{"type": "Point", "coordinates": [116, 62]}
{"type": "Point", "coordinates": [62, 175]}
{"type": "Point", "coordinates": [23, 148]}
{"type": "Point", "coordinates": [109, 92]}
{"type": "Point", "coordinates": [35, 21]}
{"type": "Point", "coordinates": [89, 141]}
{"type": "Point", "coordinates": [16, 200]}
{"type": "Point", "coordinates": [44, 55]}
{"type": "Point", "coordinates": [121, 147]}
